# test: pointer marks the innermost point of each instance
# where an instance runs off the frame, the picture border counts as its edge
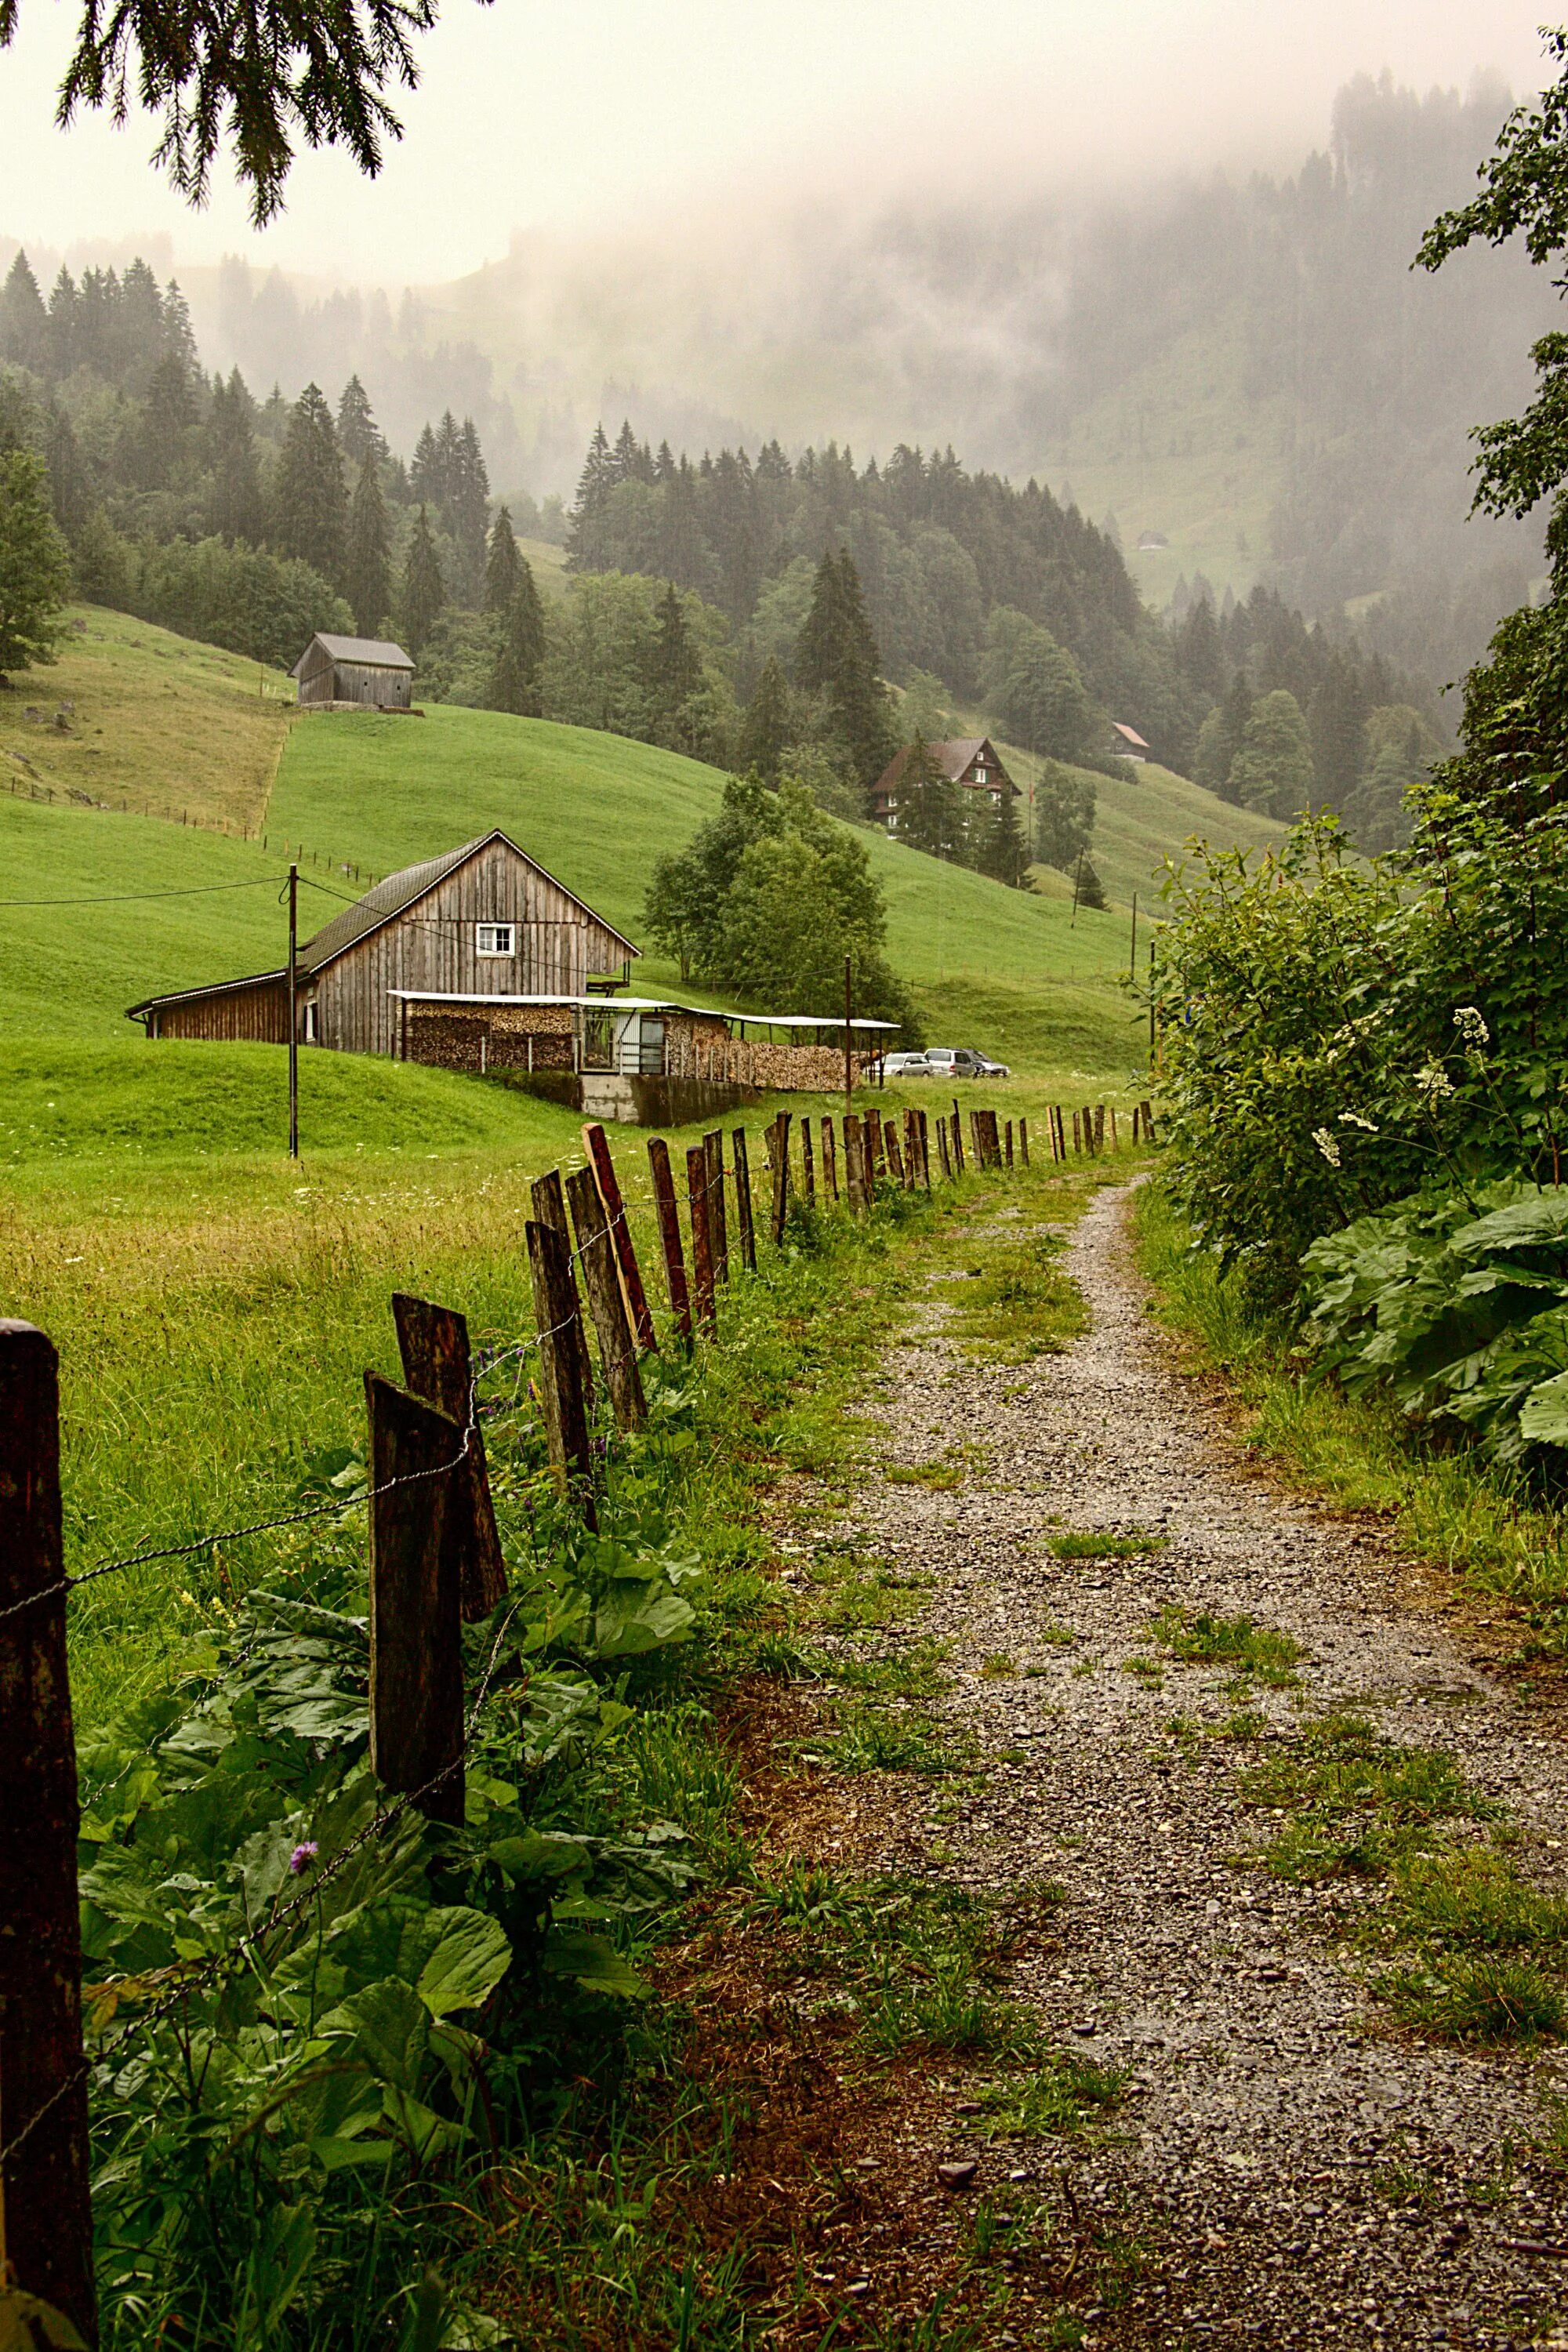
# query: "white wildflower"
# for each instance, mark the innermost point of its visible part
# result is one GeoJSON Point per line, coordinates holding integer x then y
{"type": "Point", "coordinates": [1354, 1119]}
{"type": "Point", "coordinates": [1328, 1144]}
{"type": "Point", "coordinates": [1433, 1081]}
{"type": "Point", "coordinates": [1472, 1027]}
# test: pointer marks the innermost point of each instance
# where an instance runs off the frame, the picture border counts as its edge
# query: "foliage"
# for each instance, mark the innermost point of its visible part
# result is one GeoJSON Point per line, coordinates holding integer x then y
{"type": "Point", "coordinates": [312, 505]}
{"type": "Point", "coordinates": [837, 656]}
{"type": "Point", "coordinates": [930, 813]}
{"type": "Point", "coordinates": [1064, 815]}
{"type": "Point", "coordinates": [266, 606]}
{"type": "Point", "coordinates": [35, 567]}
{"type": "Point", "coordinates": [612, 662]}
{"type": "Point", "coordinates": [768, 899]}
{"type": "Point", "coordinates": [423, 591]}
{"type": "Point", "coordinates": [1273, 770]}
{"type": "Point", "coordinates": [1088, 891]}
{"type": "Point", "coordinates": [1032, 688]}
{"type": "Point", "coordinates": [515, 684]}
{"type": "Point", "coordinates": [367, 553]}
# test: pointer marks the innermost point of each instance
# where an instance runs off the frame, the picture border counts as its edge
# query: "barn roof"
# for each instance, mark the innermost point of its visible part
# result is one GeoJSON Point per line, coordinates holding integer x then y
{"type": "Point", "coordinates": [1129, 735]}
{"type": "Point", "coordinates": [398, 892]}
{"type": "Point", "coordinates": [371, 653]}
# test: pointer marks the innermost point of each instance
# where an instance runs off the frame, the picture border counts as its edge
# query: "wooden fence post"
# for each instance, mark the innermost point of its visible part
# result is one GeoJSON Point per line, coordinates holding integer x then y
{"type": "Point", "coordinates": [562, 1351]}
{"type": "Point", "coordinates": [1099, 1128]}
{"type": "Point", "coordinates": [955, 1133]}
{"type": "Point", "coordinates": [923, 1128]}
{"type": "Point", "coordinates": [1023, 1141]}
{"type": "Point", "coordinates": [1112, 1118]}
{"type": "Point", "coordinates": [975, 1142]}
{"type": "Point", "coordinates": [415, 1603]}
{"type": "Point", "coordinates": [598, 1145]}
{"type": "Point", "coordinates": [807, 1165]}
{"type": "Point", "coordinates": [601, 1279]}
{"type": "Point", "coordinates": [745, 1224]}
{"type": "Point", "coordinates": [432, 1342]}
{"type": "Point", "coordinates": [1076, 1143]}
{"type": "Point", "coordinates": [702, 1240]}
{"type": "Point", "coordinates": [1148, 1123]}
{"type": "Point", "coordinates": [780, 1178]}
{"type": "Point", "coordinates": [829, 1162]}
{"type": "Point", "coordinates": [1007, 1155]}
{"type": "Point", "coordinates": [47, 2207]}
{"type": "Point", "coordinates": [550, 1208]}
{"type": "Point", "coordinates": [670, 1235]}
{"type": "Point", "coordinates": [942, 1154]}
{"type": "Point", "coordinates": [871, 1148]}
{"type": "Point", "coordinates": [717, 1229]}
{"type": "Point", "coordinates": [855, 1163]}
{"type": "Point", "coordinates": [895, 1156]}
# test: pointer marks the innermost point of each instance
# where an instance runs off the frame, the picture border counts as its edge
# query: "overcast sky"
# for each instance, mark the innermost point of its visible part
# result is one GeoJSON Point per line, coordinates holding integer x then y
{"type": "Point", "coordinates": [533, 114]}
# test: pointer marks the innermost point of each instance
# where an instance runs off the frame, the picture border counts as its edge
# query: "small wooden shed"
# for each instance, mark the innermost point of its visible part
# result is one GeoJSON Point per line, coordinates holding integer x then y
{"type": "Point", "coordinates": [363, 673]}
{"type": "Point", "coordinates": [485, 920]}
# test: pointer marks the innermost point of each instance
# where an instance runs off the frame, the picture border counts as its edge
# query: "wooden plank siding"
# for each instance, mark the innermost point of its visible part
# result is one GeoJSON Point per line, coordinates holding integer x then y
{"type": "Point", "coordinates": [230, 1016]}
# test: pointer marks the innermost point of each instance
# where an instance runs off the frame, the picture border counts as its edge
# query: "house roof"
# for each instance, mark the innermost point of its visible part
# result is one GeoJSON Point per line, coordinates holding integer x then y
{"type": "Point", "coordinates": [951, 758]}
{"type": "Point", "coordinates": [372, 653]}
{"type": "Point", "coordinates": [1129, 735]}
{"type": "Point", "coordinates": [383, 904]}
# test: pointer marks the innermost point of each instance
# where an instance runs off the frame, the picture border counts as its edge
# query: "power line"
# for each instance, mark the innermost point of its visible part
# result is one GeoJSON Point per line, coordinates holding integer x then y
{"type": "Point", "coordinates": [137, 897]}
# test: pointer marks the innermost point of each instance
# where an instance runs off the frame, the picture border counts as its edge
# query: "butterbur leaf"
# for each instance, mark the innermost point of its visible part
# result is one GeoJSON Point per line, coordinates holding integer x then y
{"type": "Point", "coordinates": [1543, 1415]}
{"type": "Point", "coordinates": [539, 1854]}
{"type": "Point", "coordinates": [634, 1617]}
{"type": "Point", "coordinates": [391, 2028]}
{"type": "Point", "coordinates": [594, 1962]}
{"type": "Point", "coordinates": [27, 2324]}
{"type": "Point", "coordinates": [467, 1965]}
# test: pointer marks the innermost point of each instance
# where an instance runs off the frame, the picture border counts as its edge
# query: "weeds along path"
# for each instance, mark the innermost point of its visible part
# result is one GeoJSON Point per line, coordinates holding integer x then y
{"type": "Point", "coordinates": [1334, 2125]}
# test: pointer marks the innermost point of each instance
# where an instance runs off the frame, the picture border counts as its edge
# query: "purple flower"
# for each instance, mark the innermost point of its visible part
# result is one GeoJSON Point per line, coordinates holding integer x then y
{"type": "Point", "coordinates": [301, 1858]}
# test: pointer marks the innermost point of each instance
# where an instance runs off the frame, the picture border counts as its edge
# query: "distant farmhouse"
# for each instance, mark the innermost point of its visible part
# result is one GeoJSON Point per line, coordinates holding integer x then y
{"type": "Point", "coordinates": [971, 763]}
{"type": "Point", "coordinates": [1129, 743]}
{"type": "Point", "coordinates": [484, 920]}
{"type": "Point", "coordinates": [360, 672]}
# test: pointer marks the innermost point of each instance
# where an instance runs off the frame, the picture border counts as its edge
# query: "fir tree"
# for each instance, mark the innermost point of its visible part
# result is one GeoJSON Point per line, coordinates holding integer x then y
{"type": "Point", "coordinates": [235, 505]}
{"type": "Point", "coordinates": [367, 560]}
{"type": "Point", "coordinates": [675, 666]}
{"type": "Point", "coordinates": [359, 437]}
{"type": "Point", "coordinates": [594, 487]}
{"type": "Point", "coordinates": [424, 590]}
{"type": "Point", "coordinates": [514, 682]}
{"type": "Point", "coordinates": [311, 507]}
{"type": "Point", "coordinates": [1087, 889]}
{"type": "Point", "coordinates": [502, 569]}
{"type": "Point", "coordinates": [1001, 850]}
{"type": "Point", "coordinates": [767, 725]}
{"type": "Point", "coordinates": [25, 339]}
{"type": "Point", "coordinates": [35, 567]}
{"type": "Point", "coordinates": [929, 815]}
{"type": "Point", "coordinates": [835, 655]}
{"type": "Point", "coordinates": [163, 434]}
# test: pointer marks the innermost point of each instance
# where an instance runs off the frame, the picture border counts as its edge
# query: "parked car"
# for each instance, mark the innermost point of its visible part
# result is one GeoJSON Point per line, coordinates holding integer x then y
{"type": "Point", "coordinates": [963, 1062]}
{"type": "Point", "coordinates": [905, 1065]}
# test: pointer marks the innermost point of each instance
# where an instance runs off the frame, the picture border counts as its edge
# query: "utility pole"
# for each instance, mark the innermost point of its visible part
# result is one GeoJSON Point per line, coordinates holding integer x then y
{"type": "Point", "coordinates": [848, 1039]}
{"type": "Point", "coordinates": [1077, 880]}
{"type": "Point", "coordinates": [1134, 963]}
{"type": "Point", "coordinates": [293, 1013]}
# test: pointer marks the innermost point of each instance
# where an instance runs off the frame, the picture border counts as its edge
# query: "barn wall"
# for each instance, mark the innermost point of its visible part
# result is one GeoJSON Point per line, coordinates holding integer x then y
{"type": "Point", "coordinates": [432, 947]}
{"type": "Point", "coordinates": [387, 689]}
{"type": "Point", "coordinates": [234, 1015]}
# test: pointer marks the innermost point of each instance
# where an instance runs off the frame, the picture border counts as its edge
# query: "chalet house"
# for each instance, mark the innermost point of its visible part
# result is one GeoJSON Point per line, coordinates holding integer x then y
{"type": "Point", "coordinates": [362, 672]}
{"type": "Point", "coordinates": [970, 764]}
{"type": "Point", "coordinates": [485, 920]}
{"type": "Point", "coordinates": [1129, 743]}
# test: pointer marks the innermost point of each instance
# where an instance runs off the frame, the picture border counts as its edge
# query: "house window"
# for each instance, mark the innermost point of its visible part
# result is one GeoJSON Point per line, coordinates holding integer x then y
{"type": "Point", "coordinates": [980, 775]}
{"type": "Point", "coordinates": [497, 939]}
{"type": "Point", "coordinates": [310, 1022]}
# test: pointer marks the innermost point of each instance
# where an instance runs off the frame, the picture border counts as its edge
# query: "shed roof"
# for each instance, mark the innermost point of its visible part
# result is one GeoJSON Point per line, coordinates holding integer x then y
{"type": "Point", "coordinates": [1129, 735]}
{"type": "Point", "coordinates": [371, 653]}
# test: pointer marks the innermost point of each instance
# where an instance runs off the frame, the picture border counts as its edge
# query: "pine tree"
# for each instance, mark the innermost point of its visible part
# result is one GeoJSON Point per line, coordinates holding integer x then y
{"type": "Point", "coordinates": [836, 654]}
{"type": "Point", "coordinates": [35, 567]}
{"type": "Point", "coordinates": [359, 437]}
{"type": "Point", "coordinates": [467, 515]}
{"type": "Point", "coordinates": [367, 560]}
{"type": "Point", "coordinates": [514, 682]}
{"type": "Point", "coordinates": [503, 568]}
{"type": "Point", "coordinates": [163, 434]}
{"type": "Point", "coordinates": [25, 338]}
{"type": "Point", "coordinates": [424, 590]}
{"type": "Point", "coordinates": [929, 815]}
{"type": "Point", "coordinates": [767, 725]}
{"type": "Point", "coordinates": [675, 666]}
{"type": "Point", "coordinates": [311, 507]}
{"type": "Point", "coordinates": [1089, 889]}
{"type": "Point", "coordinates": [1001, 850]}
{"type": "Point", "coordinates": [235, 504]}
{"type": "Point", "coordinates": [583, 532]}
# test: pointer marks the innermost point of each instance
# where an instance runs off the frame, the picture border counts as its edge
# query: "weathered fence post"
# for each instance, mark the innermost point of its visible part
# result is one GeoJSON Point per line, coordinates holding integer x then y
{"type": "Point", "coordinates": [777, 1136]}
{"type": "Point", "coordinates": [415, 1603]}
{"type": "Point", "coordinates": [829, 1162]}
{"type": "Point", "coordinates": [955, 1133]}
{"type": "Point", "coordinates": [975, 1142]}
{"type": "Point", "coordinates": [1007, 1153]}
{"type": "Point", "coordinates": [562, 1353]}
{"type": "Point", "coordinates": [1076, 1143]}
{"type": "Point", "coordinates": [718, 1227]}
{"type": "Point", "coordinates": [701, 1239]}
{"type": "Point", "coordinates": [1148, 1123]}
{"type": "Point", "coordinates": [745, 1224]}
{"type": "Point", "coordinates": [432, 1342]}
{"type": "Point", "coordinates": [670, 1235]}
{"type": "Point", "coordinates": [47, 2207]}
{"type": "Point", "coordinates": [1023, 1141]}
{"type": "Point", "coordinates": [895, 1156]}
{"type": "Point", "coordinates": [1099, 1128]}
{"type": "Point", "coordinates": [598, 1145]}
{"type": "Point", "coordinates": [855, 1163]}
{"type": "Point", "coordinates": [941, 1151]}
{"type": "Point", "coordinates": [550, 1208]}
{"type": "Point", "coordinates": [597, 1251]}
{"type": "Point", "coordinates": [1113, 1116]}
{"type": "Point", "coordinates": [807, 1165]}
{"type": "Point", "coordinates": [871, 1145]}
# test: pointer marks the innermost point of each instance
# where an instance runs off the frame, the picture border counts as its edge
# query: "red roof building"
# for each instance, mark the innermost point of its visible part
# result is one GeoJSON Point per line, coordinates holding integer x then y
{"type": "Point", "coordinates": [972, 763]}
{"type": "Point", "coordinates": [1129, 743]}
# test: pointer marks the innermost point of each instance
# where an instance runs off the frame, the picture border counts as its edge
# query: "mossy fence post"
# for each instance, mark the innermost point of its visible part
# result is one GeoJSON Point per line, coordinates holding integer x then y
{"type": "Point", "coordinates": [415, 1599]}
{"type": "Point", "coordinates": [432, 1342]}
{"type": "Point", "coordinates": [48, 2210]}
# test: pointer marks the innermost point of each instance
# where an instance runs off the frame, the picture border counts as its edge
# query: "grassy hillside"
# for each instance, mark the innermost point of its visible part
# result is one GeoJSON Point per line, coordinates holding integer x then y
{"type": "Point", "coordinates": [993, 966]}
{"type": "Point", "coordinates": [1142, 819]}
{"type": "Point", "coordinates": [151, 719]}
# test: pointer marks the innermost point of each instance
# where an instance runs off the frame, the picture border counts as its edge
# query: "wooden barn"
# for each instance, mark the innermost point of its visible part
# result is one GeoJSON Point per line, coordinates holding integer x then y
{"type": "Point", "coordinates": [971, 763]}
{"type": "Point", "coordinates": [363, 673]}
{"type": "Point", "coordinates": [485, 920]}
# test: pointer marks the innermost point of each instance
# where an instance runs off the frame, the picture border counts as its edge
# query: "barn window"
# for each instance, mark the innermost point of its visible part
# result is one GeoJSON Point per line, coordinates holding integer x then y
{"type": "Point", "coordinates": [497, 939]}
{"type": "Point", "coordinates": [310, 1022]}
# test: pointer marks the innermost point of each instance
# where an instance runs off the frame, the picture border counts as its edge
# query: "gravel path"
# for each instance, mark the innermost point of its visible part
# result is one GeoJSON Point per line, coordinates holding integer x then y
{"type": "Point", "coordinates": [1296, 2169]}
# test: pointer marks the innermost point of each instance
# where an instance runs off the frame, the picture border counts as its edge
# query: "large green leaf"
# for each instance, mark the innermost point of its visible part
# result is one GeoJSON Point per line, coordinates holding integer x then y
{"type": "Point", "coordinates": [467, 1964]}
{"type": "Point", "coordinates": [1537, 1221]}
{"type": "Point", "coordinates": [1543, 1415]}
{"type": "Point", "coordinates": [632, 1618]}
{"type": "Point", "coordinates": [391, 2028]}
{"type": "Point", "coordinates": [594, 1962]}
